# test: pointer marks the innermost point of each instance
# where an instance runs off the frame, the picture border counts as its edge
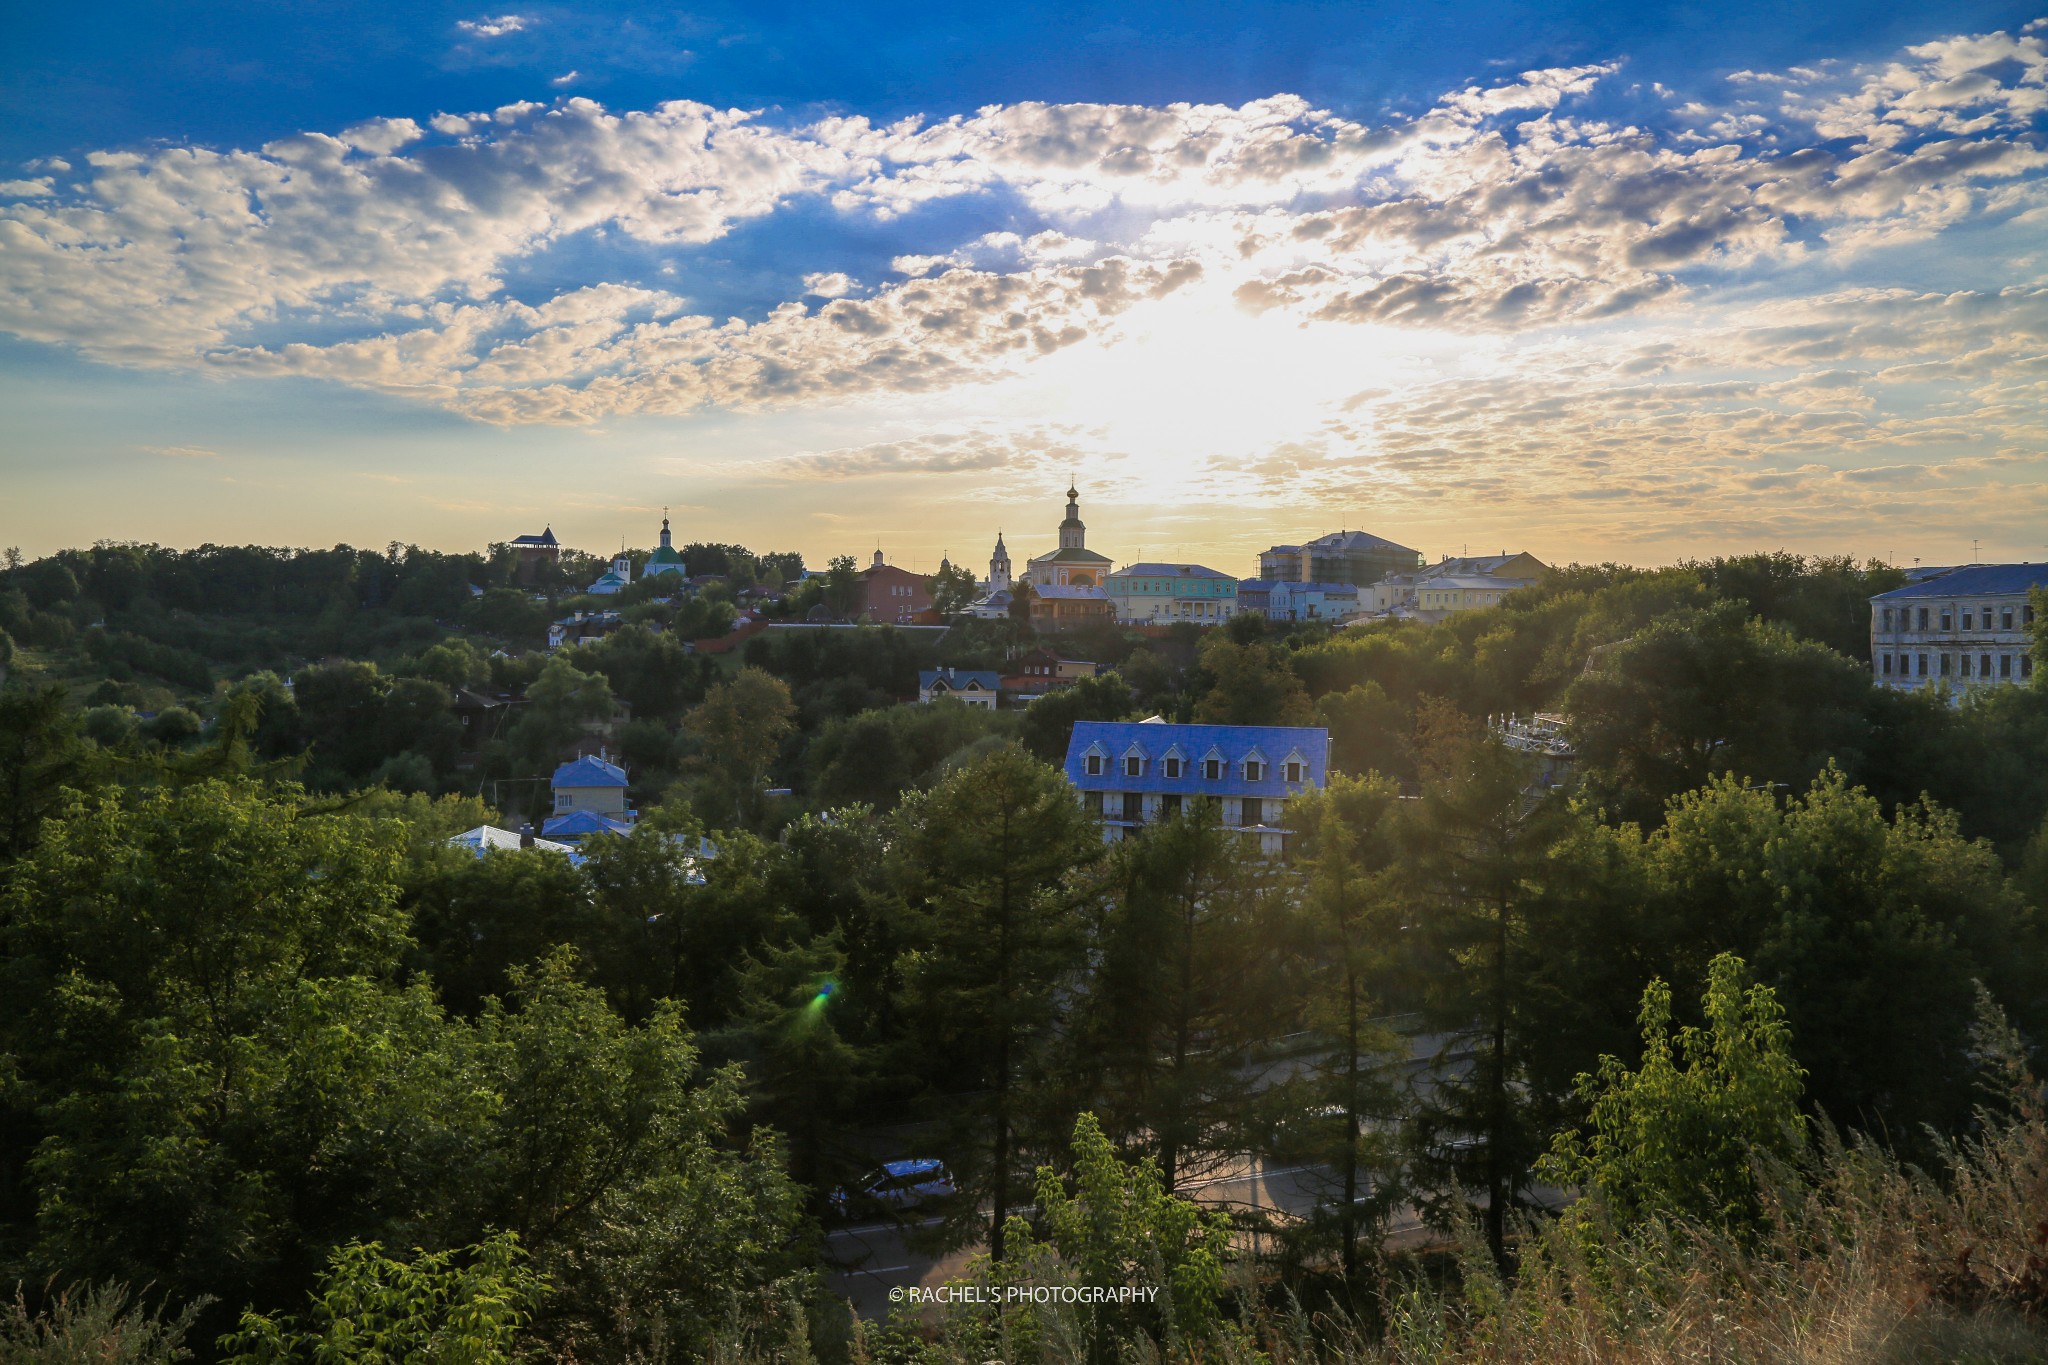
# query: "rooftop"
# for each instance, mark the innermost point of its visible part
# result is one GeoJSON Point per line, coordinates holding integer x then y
{"type": "Point", "coordinates": [1975, 580]}
{"type": "Point", "coordinates": [484, 838]}
{"type": "Point", "coordinates": [589, 771]}
{"type": "Point", "coordinates": [1473, 581]}
{"type": "Point", "coordinates": [958, 679]}
{"type": "Point", "coordinates": [578, 823]}
{"type": "Point", "coordinates": [1151, 569]}
{"type": "Point", "coordinates": [1232, 743]}
{"type": "Point", "coordinates": [1070, 555]}
{"type": "Point", "coordinates": [1354, 542]}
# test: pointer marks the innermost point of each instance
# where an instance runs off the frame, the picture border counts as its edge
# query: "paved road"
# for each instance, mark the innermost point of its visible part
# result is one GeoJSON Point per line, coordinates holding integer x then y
{"type": "Point", "coordinates": [876, 1257]}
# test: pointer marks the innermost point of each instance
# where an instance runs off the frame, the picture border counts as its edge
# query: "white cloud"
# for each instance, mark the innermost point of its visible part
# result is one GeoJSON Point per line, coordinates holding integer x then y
{"type": "Point", "coordinates": [566, 78]}
{"type": "Point", "coordinates": [493, 27]}
{"type": "Point", "coordinates": [377, 256]}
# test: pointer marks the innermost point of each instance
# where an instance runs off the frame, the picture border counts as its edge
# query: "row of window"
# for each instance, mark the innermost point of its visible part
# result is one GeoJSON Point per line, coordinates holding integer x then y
{"type": "Point", "coordinates": [1172, 767]}
{"type": "Point", "coordinates": [1905, 617]}
{"type": "Point", "coordinates": [1130, 807]}
{"type": "Point", "coordinates": [1214, 587]}
{"type": "Point", "coordinates": [1954, 665]}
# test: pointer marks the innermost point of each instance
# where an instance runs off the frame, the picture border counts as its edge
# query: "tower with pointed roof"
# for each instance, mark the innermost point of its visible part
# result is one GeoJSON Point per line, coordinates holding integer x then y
{"type": "Point", "coordinates": [665, 560]}
{"type": "Point", "coordinates": [1066, 584]}
{"type": "Point", "coordinates": [999, 566]}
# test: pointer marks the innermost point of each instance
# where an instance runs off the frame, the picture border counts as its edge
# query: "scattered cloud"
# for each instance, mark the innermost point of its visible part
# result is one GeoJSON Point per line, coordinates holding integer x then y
{"type": "Point", "coordinates": [493, 27]}
{"type": "Point", "coordinates": [1676, 315]}
{"type": "Point", "coordinates": [181, 452]}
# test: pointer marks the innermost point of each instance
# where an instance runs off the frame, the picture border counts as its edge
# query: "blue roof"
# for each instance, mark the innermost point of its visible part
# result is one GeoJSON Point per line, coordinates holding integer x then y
{"type": "Point", "coordinates": [1233, 742]}
{"type": "Point", "coordinates": [589, 771]}
{"type": "Point", "coordinates": [578, 823]}
{"type": "Point", "coordinates": [1152, 569]}
{"type": "Point", "coordinates": [1975, 580]}
{"type": "Point", "coordinates": [956, 679]}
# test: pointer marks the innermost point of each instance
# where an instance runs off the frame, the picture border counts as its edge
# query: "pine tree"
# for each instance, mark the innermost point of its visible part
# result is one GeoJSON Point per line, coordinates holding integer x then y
{"type": "Point", "coordinates": [986, 863]}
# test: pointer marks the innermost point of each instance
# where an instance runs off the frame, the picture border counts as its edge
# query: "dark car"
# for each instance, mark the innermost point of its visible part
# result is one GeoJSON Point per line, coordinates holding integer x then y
{"type": "Point", "coordinates": [895, 1186]}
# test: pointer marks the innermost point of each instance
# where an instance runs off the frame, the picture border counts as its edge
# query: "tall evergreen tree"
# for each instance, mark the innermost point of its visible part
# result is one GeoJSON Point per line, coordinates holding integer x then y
{"type": "Point", "coordinates": [1190, 981]}
{"type": "Point", "coordinates": [1478, 852]}
{"type": "Point", "coordinates": [986, 865]}
{"type": "Point", "coordinates": [1351, 913]}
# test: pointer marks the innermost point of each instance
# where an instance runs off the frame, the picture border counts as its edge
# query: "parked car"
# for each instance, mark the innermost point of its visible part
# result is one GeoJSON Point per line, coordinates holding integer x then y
{"type": "Point", "coordinates": [894, 1187]}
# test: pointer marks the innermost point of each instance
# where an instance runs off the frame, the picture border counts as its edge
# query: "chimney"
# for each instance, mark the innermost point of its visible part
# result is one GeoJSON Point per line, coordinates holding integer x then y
{"type": "Point", "coordinates": [526, 836]}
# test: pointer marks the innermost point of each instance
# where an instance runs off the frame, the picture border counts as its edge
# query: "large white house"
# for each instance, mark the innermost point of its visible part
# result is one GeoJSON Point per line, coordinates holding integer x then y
{"type": "Point", "coordinates": [1958, 630]}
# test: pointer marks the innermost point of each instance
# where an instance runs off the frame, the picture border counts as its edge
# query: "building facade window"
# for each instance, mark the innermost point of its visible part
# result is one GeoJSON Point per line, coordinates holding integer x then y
{"type": "Point", "coordinates": [1945, 661]}
{"type": "Point", "coordinates": [1948, 619]}
{"type": "Point", "coordinates": [1887, 665]}
{"type": "Point", "coordinates": [1887, 618]}
{"type": "Point", "coordinates": [1923, 618]}
{"type": "Point", "coordinates": [1294, 772]}
{"type": "Point", "coordinates": [1092, 803]}
{"type": "Point", "coordinates": [1095, 765]}
{"type": "Point", "coordinates": [1968, 617]}
{"type": "Point", "coordinates": [1133, 765]}
{"type": "Point", "coordinates": [1251, 811]}
{"type": "Point", "coordinates": [1134, 806]}
{"type": "Point", "coordinates": [1169, 804]}
{"type": "Point", "coordinates": [1923, 665]}
{"type": "Point", "coordinates": [2005, 619]}
{"type": "Point", "coordinates": [2005, 665]}
{"type": "Point", "coordinates": [1983, 665]}
{"type": "Point", "coordinates": [1212, 769]}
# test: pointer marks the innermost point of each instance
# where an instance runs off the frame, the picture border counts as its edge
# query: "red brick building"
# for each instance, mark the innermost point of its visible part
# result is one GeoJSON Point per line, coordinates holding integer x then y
{"type": "Point", "coordinates": [892, 596]}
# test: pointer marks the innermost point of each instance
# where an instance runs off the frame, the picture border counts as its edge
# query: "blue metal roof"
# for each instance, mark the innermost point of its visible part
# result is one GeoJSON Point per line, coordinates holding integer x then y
{"type": "Point", "coordinates": [578, 823]}
{"type": "Point", "coordinates": [589, 771]}
{"type": "Point", "coordinates": [1233, 742]}
{"type": "Point", "coordinates": [957, 679]}
{"type": "Point", "coordinates": [1975, 580]}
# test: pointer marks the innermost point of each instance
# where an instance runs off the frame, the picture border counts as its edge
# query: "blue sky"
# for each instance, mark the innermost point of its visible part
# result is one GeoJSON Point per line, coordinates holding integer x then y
{"type": "Point", "coordinates": [1604, 281]}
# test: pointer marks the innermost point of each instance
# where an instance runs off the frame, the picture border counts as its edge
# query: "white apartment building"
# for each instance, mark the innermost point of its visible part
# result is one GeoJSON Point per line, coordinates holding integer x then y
{"type": "Point", "coordinates": [1957, 630]}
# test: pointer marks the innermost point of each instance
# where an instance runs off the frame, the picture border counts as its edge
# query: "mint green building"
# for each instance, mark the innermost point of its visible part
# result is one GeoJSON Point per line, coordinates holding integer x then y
{"type": "Point", "coordinates": [1160, 594]}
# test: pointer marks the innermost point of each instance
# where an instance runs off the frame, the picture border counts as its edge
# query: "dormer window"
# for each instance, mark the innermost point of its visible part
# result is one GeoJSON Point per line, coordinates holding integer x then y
{"type": "Point", "coordinates": [1133, 765]}
{"type": "Point", "coordinates": [1253, 770]}
{"type": "Point", "coordinates": [1173, 767]}
{"type": "Point", "coordinates": [1212, 769]}
{"type": "Point", "coordinates": [1095, 765]}
{"type": "Point", "coordinates": [1294, 772]}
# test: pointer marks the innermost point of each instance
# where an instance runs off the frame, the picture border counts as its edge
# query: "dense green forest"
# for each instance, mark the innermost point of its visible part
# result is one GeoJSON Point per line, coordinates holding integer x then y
{"type": "Point", "coordinates": [1761, 978]}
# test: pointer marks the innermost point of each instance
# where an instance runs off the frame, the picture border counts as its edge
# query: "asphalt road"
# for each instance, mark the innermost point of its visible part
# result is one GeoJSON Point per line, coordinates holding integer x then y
{"type": "Point", "coordinates": [874, 1258]}
{"type": "Point", "coordinates": [877, 1258]}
